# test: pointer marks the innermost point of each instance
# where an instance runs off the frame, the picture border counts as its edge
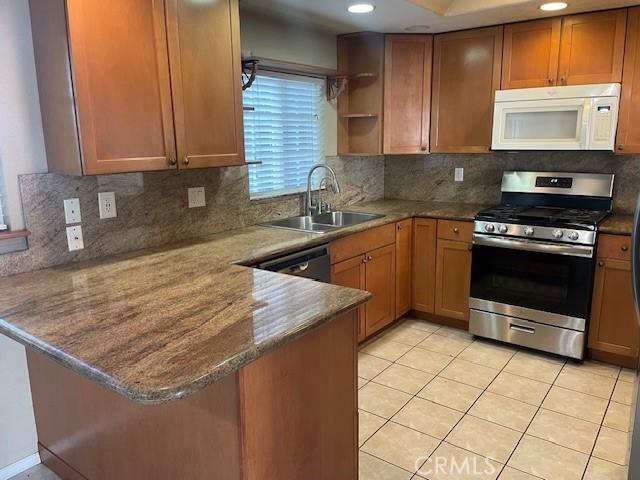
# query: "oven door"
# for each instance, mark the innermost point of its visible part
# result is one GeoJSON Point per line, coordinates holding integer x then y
{"type": "Point", "coordinates": [541, 282]}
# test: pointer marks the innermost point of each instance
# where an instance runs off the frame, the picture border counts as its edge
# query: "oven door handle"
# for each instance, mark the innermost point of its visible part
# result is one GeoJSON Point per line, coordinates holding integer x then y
{"type": "Point", "coordinates": [532, 246]}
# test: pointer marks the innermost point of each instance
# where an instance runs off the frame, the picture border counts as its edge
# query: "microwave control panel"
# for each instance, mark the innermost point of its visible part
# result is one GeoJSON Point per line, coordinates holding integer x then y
{"type": "Point", "coordinates": [604, 116]}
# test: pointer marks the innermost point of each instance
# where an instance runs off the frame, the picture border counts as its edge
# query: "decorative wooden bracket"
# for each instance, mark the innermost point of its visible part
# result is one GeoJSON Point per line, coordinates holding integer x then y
{"type": "Point", "coordinates": [336, 84]}
{"type": "Point", "coordinates": [249, 70]}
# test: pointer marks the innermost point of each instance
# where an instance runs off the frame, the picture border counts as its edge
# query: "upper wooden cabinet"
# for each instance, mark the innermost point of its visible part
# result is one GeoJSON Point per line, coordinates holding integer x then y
{"type": "Point", "coordinates": [466, 73]}
{"type": "Point", "coordinates": [628, 135]}
{"type": "Point", "coordinates": [407, 93]}
{"type": "Point", "coordinates": [592, 47]}
{"type": "Point", "coordinates": [106, 91]}
{"type": "Point", "coordinates": [530, 55]}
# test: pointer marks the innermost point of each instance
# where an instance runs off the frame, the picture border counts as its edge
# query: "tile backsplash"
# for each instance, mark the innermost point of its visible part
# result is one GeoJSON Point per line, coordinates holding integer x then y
{"type": "Point", "coordinates": [430, 177]}
{"type": "Point", "coordinates": [152, 208]}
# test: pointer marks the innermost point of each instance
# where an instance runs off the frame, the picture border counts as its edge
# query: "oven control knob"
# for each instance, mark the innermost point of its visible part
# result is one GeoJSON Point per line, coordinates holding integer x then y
{"type": "Point", "coordinates": [573, 235]}
{"type": "Point", "coordinates": [489, 227]}
{"type": "Point", "coordinates": [528, 231]}
{"type": "Point", "coordinates": [503, 229]}
{"type": "Point", "coordinates": [558, 233]}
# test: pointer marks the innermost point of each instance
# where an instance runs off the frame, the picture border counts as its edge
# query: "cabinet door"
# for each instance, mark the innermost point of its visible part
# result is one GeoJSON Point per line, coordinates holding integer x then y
{"type": "Point", "coordinates": [592, 47]}
{"type": "Point", "coordinates": [466, 74]}
{"type": "Point", "coordinates": [424, 264]}
{"type": "Point", "coordinates": [379, 281]}
{"type": "Point", "coordinates": [530, 55]}
{"type": "Point", "coordinates": [613, 327]}
{"type": "Point", "coordinates": [628, 136]}
{"type": "Point", "coordinates": [404, 241]}
{"type": "Point", "coordinates": [407, 93]}
{"type": "Point", "coordinates": [121, 78]}
{"type": "Point", "coordinates": [453, 278]}
{"type": "Point", "coordinates": [351, 273]}
{"type": "Point", "coordinates": [204, 43]}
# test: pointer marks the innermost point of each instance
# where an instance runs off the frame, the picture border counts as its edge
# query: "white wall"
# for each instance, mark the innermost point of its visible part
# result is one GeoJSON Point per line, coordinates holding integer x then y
{"type": "Point", "coordinates": [271, 38]}
{"type": "Point", "coordinates": [21, 151]}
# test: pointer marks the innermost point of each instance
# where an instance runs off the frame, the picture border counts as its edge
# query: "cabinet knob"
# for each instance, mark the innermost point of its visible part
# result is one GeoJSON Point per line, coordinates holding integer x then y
{"type": "Point", "coordinates": [624, 248]}
{"type": "Point", "coordinates": [470, 247]}
{"type": "Point", "coordinates": [172, 161]}
{"type": "Point", "coordinates": [369, 258]}
{"type": "Point", "coordinates": [456, 230]}
{"type": "Point", "coordinates": [620, 147]}
{"type": "Point", "coordinates": [185, 160]}
{"type": "Point", "coordinates": [423, 148]}
{"type": "Point", "coordinates": [550, 80]}
{"type": "Point", "coordinates": [563, 80]}
{"type": "Point", "coordinates": [601, 263]}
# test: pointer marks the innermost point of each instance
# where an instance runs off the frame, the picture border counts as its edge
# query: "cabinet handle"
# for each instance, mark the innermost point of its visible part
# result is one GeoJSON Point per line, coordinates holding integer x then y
{"type": "Point", "coordinates": [620, 147]}
{"type": "Point", "coordinates": [185, 160]}
{"type": "Point", "coordinates": [456, 230]}
{"type": "Point", "coordinates": [399, 227]}
{"type": "Point", "coordinates": [550, 80]}
{"type": "Point", "coordinates": [563, 80]}
{"type": "Point", "coordinates": [470, 247]}
{"type": "Point", "coordinates": [172, 161]}
{"type": "Point", "coordinates": [624, 248]}
{"type": "Point", "coordinates": [423, 148]}
{"type": "Point", "coordinates": [369, 258]}
{"type": "Point", "coordinates": [601, 263]}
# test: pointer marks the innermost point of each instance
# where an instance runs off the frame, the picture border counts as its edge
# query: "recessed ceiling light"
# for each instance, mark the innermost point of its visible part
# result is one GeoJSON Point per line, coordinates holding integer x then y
{"type": "Point", "coordinates": [417, 28]}
{"type": "Point", "coordinates": [553, 6]}
{"type": "Point", "coordinates": [361, 8]}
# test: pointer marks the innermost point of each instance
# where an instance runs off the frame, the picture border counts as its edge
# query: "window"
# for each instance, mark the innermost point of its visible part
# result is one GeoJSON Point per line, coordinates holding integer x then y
{"type": "Point", "coordinates": [284, 131]}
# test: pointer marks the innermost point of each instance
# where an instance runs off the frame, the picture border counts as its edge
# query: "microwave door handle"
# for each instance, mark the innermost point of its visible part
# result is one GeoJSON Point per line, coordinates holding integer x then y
{"type": "Point", "coordinates": [586, 122]}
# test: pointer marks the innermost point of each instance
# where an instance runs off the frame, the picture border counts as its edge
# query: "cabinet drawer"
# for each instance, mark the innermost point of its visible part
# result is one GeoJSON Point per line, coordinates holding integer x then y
{"type": "Point", "coordinates": [455, 230]}
{"type": "Point", "coordinates": [359, 243]}
{"type": "Point", "coordinates": [614, 246]}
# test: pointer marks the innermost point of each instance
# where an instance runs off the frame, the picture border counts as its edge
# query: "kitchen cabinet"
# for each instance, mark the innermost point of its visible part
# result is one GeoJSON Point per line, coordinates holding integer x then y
{"type": "Point", "coordinates": [453, 269]}
{"type": "Point", "coordinates": [614, 335]}
{"type": "Point", "coordinates": [424, 264]}
{"type": "Point", "coordinates": [404, 263]}
{"type": "Point", "coordinates": [592, 47]}
{"type": "Point", "coordinates": [628, 135]}
{"type": "Point", "coordinates": [407, 93]}
{"type": "Point", "coordinates": [530, 54]}
{"type": "Point", "coordinates": [380, 269]}
{"type": "Point", "coordinates": [352, 273]}
{"type": "Point", "coordinates": [127, 86]}
{"type": "Point", "coordinates": [466, 73]}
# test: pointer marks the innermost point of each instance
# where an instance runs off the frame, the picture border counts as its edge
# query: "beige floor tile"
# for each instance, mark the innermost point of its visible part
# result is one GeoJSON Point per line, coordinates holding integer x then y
{"type": "Point", "coordinates": [623, 393]}
{"type": "Point", "coordinates": [451, 394]}
{"type": "Point", "coordinates": [368, 424]}
{"type": "Point", "coordinates": [563, 430]}
{"type": "Point", "coordinates": [484, 438]}
{"type": "Point", "coordinates": [603, 470]}
{"type": "Point", "coordinates": [430, 362]}
{"type": "Point", "coordinates": [454, 332]}
{"type": "Point", "coordinates": [469, 373]}
{"type": "Point", "coordinates": [372, 468]}
{"type": "Point", "coordinates": [487, 354]}
{"type": "Point", "coordinates": [380, 400]}
{"type": "Point", "coordinates": [612, 445]}
{"type": "Point", "coordinates": [627, 375]}
{"type": "Point", "coordinates": [512, 474]}
{"type": "Point", "coordinates": [370, 366]}
{"type": "Point", "coordinates": [387, 349]}
{"type": "Point", "coordinates": [407, 335]}
{"type": "Point", "coordinates": [39, 472]}
{"type": "Point", "coordinates": [547, 460]}
{"type": "Point", "coordinates": [575, 404]}
{"type": "Point", "coordinates": [403, 378]}
{"type": "Point", "coordinates": [420, 324]}
{"type": "Point", "coordinates": [504, 411]}
{"type": "Point", "coordinates": [447, 345]}
{"type": "Point", "coordinates": [519, 388]}
{"type": "Point", "coordinates": [449, 462]}
{"type": "Point", "coordinates": [362, 382]}
{"type": "Point", "coordinates": [618, 416]}
{"type": "Point", "coordinates": [582, 380]}
{"type": "Point", "coordinates": [428, 417]}
{"type": "Point", "coordinates": [535, 366]}
{"type": "Point", "coordinates": [401, 446]}
{"type": "Point", "coordinates": [597, 368]}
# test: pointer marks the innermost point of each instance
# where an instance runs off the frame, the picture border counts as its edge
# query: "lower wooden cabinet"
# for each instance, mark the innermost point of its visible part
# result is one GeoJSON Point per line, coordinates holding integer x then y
{"type": "Point", "coordinates": [351, 273]}
{"type": "Point", "coordinates": [404, 264]}
{"type": "Point", "coordinates": [453, 277]}
{"type": "Point", "coordinates": [613, 329]}
{"type": "Point", "coordinates": [424, 264]}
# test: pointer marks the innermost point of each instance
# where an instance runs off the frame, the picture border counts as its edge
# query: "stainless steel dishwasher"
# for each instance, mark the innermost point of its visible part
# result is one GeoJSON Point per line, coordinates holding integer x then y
{"type": "Point", "coordinates": [314, 263]}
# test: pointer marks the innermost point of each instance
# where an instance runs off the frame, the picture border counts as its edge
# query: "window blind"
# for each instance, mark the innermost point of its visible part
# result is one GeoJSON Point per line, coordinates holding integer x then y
{"type": "Point", "coordinates": [3, 222]}
{"type": "Point", "coordinates": [285, 132]}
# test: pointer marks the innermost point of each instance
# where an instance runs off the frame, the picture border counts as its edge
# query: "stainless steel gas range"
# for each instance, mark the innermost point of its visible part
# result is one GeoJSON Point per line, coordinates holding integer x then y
{"type": "Point", "coordinates": [534, 260]}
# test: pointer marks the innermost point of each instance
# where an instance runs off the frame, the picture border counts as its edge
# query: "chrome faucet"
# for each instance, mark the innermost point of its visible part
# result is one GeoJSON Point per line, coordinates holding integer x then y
{"type": "Point", "coordinates": [310, 209]}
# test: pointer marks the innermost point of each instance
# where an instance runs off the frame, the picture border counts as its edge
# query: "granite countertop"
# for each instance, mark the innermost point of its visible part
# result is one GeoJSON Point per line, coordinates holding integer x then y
{"type": "Point", "coordinates": [160, 324]}
{"type": "Point", "coordinates": [617, 224]}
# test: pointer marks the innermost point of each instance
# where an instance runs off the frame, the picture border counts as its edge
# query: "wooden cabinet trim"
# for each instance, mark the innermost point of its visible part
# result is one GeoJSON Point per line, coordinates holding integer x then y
{"type": "Point", "coordinates": [628, 134]}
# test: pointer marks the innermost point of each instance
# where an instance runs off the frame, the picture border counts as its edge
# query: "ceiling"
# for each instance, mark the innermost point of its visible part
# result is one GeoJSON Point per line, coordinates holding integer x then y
{"type": "Point", "coordinates": [396, 15]}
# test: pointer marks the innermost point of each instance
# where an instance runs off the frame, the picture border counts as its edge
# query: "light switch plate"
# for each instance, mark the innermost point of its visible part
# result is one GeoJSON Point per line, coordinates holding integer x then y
{"type": "Point", "coordinates": [72, 211]}
{"type": "Point", "coordinates": [107, 205]}
{"type": "Point", "coordinates": [459, 175]}
{"type": "Point", "coordinates": [196, 197]}
{"type": "Point", "coordinates": [74, 238]}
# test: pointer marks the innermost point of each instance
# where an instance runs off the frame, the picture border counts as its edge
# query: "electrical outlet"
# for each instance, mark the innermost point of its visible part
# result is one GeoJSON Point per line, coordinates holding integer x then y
{"type": "Point", "coordinates": [107, 204]}
{"type": "Point", "coordinates": [196, 197]}
{"type": "Point", "coordinates": [72, 211]}
{"type": "Point", "coordinates": [459, 175]}
{"type": "Point", "coordinates": [74, 238]}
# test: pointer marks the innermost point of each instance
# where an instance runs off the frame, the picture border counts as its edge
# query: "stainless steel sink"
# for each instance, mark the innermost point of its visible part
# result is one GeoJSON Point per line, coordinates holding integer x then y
{"type": "Point", "coordinates": [322, 223]}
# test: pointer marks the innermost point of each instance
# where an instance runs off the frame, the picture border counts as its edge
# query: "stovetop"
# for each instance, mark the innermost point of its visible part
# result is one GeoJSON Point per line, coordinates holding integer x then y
{"type": "Point", "coordinates": [546, 216]}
